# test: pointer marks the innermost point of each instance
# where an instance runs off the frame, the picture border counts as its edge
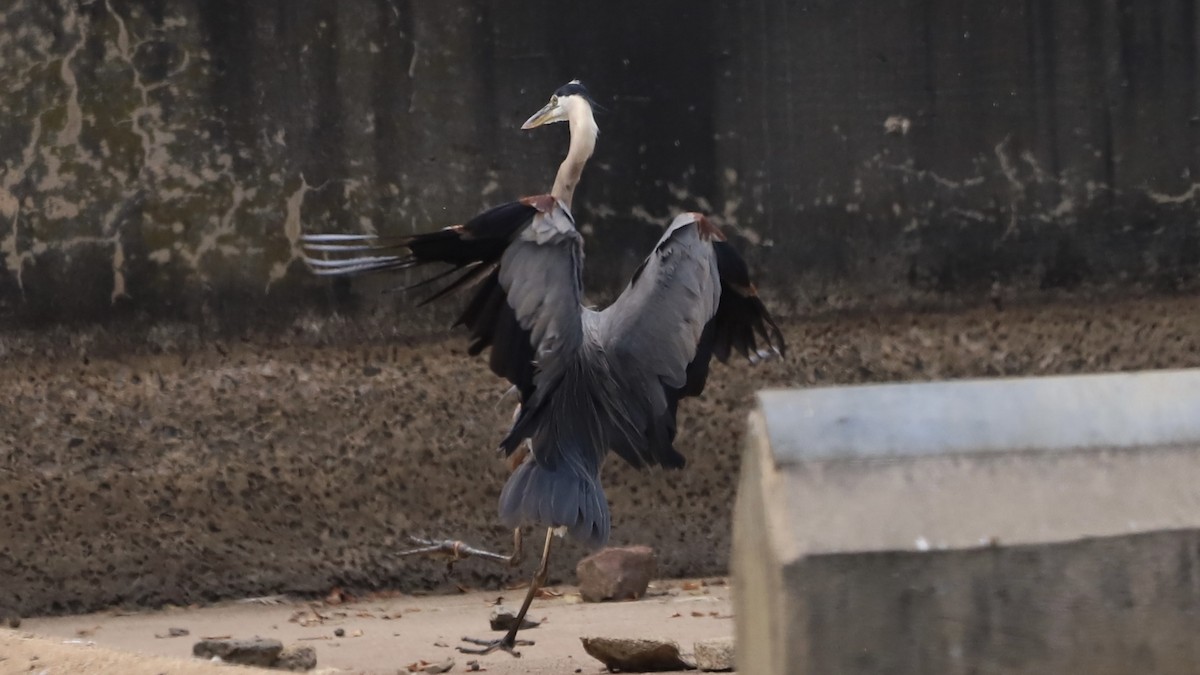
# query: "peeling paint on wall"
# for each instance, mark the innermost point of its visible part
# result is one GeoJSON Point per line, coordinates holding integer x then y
{"type": "Point", "coordinates": [163, 158]}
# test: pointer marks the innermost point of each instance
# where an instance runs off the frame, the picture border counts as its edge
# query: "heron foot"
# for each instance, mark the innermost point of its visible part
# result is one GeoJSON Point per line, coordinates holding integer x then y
{"type": "Point", "coordinates": [505, 644]}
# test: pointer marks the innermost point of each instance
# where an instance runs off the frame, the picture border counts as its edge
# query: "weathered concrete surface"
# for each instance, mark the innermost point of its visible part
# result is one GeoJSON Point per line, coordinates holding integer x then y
{"type": "Point", "coordinates": [160, 158]}
{"type": "Point", "coordinates": [1011, 526]}
{"type": "Point", "coordinates": [382, 634]}
{"type": "Point", "coordinates": [932, 145]}
{"type": "Point", "coordinates": [173, 466]}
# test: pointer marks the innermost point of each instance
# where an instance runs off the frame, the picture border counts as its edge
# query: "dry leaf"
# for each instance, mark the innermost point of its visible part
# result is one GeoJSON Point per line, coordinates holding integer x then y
{"type": "Point", "coordinates": [424, 666]}
{"type": "Point", "coordinates": [695, 613]}
{"type": "Point", "coordinates": [547, 593]}
{"type": "Point", "coordinates": [357, 633]}
{"type": "Point", "coordinates": [440, 644]}
{"type": "Point", "coordinates": [365, 615]}
{"type": "Point", "coordinates": [215, 637]}
{"type": "Point", "coordinates": [462, 589]}
{"type": "Point", "coordinates": [690, 586]}
{"type": "Point", "coordinates": [87, 632]}
{"type": "Point", "coordinates": [335, 597]}
{"type": "Point", "coordinates": [676, 615]}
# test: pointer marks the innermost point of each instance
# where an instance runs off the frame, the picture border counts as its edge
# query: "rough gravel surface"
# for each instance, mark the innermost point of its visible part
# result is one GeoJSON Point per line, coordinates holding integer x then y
{"type": "Point", "coordinates": [167, 466]}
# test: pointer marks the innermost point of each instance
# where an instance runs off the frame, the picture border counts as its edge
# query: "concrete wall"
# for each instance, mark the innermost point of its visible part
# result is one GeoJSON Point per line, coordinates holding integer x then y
{"type": "Point", "coordinates": [1028, 525]}
{"type": "Point", "coordinates": [161, 157]}
{"type": "Point", "coordinates": [186, 414]}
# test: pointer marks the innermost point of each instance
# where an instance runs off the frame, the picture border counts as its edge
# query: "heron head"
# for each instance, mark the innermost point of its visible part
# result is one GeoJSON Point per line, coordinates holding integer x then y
{"type": "Point", "coordinates": [566, 98]}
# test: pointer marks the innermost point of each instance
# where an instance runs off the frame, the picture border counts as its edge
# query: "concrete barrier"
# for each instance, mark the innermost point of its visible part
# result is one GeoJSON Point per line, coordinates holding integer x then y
{"type": "Point", "coordinates": [1047, 525]}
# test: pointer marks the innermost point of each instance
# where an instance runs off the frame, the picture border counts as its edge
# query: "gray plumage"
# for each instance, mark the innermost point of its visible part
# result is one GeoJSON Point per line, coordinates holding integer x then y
{"type": "Point", "coordinates": [589, 382]}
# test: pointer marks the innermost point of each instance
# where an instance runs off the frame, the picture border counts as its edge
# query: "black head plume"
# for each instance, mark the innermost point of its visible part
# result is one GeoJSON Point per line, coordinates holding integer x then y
{"type": "Point", "coordinates": [576, 88]}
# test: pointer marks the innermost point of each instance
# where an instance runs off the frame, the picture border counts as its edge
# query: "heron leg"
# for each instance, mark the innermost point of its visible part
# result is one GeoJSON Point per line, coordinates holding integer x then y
{"type": "Point", "coordinates": [457, 550]}
{"type": "Point", "coordinates": [509, 642]}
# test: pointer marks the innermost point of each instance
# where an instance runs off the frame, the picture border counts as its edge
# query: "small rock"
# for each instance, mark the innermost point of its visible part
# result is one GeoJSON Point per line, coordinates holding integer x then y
{"type": "Point", "coordinates": [714, 655]}
{"type": "Point", "coordinates": [256, 652]}
{"type": "Point", "coordinates": [14, 621]}
{"type": "Point", "coordinates": [616, 573]}
{"type": "Point", "coordinates": [503, 618]}
{"type": "Point", "coordinates": [633, 655]}
{"type": "Point", "coordinates": [339, 632]}
{"type": "Point", "coordinates": [296, 658]}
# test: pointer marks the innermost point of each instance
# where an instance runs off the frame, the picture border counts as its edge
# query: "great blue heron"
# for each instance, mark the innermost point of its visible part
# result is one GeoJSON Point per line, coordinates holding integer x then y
{"type": "Point", "coordinates": [589, 381]}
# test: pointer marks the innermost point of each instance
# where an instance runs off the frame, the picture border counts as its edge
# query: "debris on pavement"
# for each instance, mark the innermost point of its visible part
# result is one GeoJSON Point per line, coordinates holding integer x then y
{"type": "Point", "coordinates": [173, 633]}
{"type": "Point", "coordinates": [616, 573]}
{"type": "Point", "coordinates": [714, 655]}
{"type": "Point", "coordinates": [264, 600]}
{"type": "Point", "coordinates": [635, 655]}
{"type": "Point", "coordinates": [256, 652]}
{"type": "Point", "coordinates": [309, 616]}
{"type": "Point", "coordinates": [296, 658]}
{"type": "Point", "coordinates": [335, 597]}
{"type": "Point", "coordinates": [503, 618]}
{"type": "Point", "coordinates": [424, 666]}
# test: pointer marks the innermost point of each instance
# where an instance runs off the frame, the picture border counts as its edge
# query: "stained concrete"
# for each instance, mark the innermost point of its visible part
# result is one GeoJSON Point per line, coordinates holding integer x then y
{"type": "Point", "coordinates": [176, 466]}
{"type": "Point", "coordinates": [1014, 526]}
{"type": "Point", "coordinates": [161, 158]}
{"type": "Point", "coordinates": [381, 635]}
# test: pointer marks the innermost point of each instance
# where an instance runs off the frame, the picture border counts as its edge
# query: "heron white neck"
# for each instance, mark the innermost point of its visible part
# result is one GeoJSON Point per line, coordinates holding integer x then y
{"type": "Point", "coordinates": [583, 142]}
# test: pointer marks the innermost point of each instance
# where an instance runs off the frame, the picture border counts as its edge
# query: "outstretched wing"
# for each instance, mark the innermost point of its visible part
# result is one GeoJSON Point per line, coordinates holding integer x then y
{"type": "Point", "coordinates": [525, 259]}
{"type": "Point", "coordinates": [690, 300]}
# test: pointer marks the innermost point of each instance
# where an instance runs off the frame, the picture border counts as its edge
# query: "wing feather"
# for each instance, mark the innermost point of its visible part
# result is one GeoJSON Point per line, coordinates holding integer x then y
{"type": "Point", "coordinates": [689, 301]}
{"type": "Point", "coordinates": [511, 254]}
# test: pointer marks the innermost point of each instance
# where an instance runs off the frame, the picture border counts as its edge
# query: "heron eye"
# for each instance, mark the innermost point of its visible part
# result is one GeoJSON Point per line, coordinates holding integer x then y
{"type": "Point", "coordinates": [553, 100]}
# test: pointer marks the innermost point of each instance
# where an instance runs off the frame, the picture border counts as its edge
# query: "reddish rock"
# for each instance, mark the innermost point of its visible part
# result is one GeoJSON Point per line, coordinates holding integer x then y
{"type": "Point", "coordinates": [636, 655]}
{"type": "Point", "coordinates": [616, 573]}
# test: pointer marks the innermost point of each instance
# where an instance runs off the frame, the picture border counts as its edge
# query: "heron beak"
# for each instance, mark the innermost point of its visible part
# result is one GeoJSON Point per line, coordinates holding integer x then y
{"type": "Point", "coordinates": [551, 112]}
